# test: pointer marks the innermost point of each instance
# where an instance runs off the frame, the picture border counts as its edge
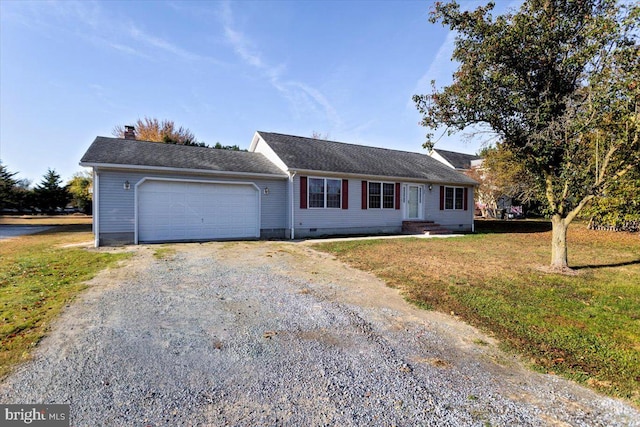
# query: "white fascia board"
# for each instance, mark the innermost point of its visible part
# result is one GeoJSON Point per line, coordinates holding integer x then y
{"type": "Point", "coordinates": [254, 142]}
{"type": "Point", "coordinates": [183, 170]}
{"type": "Point", "coordinates": [434, 154]}
{"type": "Point", "coordinates": [378, 177]}
{"type": "Point", "coordinates": [259, 145]}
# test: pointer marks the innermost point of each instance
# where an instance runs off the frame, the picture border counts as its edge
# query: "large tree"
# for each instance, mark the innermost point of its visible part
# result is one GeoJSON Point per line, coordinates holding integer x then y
{"type": "Point", "coordinates": [50, 194]}
{"type": "Point", "coordinates": [502, 176]}
{"type": "Point", "coordinates": [79, 187]}
{"type": "Point", "coordinates": [152, 129]}
{"type": "Point", "coordinates": [552, 80]}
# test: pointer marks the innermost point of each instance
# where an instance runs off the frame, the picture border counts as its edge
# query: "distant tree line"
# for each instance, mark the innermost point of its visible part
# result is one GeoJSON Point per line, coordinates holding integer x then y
{"type": "Point", "coordinates": [167, 132]}
{"type": "Point", "coordinates": [50, 196]}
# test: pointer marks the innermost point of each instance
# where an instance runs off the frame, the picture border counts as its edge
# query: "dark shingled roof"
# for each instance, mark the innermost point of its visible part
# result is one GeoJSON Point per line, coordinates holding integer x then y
{"type": "Point", "coordinates": [300, 153]}
{"type": "Point", "coordinates": [128, 152]}
{"type": "Point", "coordinates": [458, 160]}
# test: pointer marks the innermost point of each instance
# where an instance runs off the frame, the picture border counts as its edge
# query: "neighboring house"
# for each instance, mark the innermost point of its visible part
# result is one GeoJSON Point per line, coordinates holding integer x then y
{"type": "Point", "coordinates": [283, 187]}
{"type": "Point", "coordinates": [490, 202]}
{"type": "Point", "coordinates": [458, 161]}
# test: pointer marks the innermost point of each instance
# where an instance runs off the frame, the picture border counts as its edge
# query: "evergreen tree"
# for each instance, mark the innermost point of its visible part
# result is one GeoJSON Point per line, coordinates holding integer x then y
{"type": "Point", "coordinates": [7, 188]}
{"type": "Point", "coordinates": [50, 194]}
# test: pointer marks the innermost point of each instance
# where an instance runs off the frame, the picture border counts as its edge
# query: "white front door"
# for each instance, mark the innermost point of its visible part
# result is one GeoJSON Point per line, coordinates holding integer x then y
{"type": "Point", "coordinates": [413, 201]}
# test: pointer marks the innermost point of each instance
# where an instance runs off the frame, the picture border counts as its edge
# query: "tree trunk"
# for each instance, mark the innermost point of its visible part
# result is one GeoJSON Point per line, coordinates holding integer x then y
{"type": "Point", "coordinates": [559, 259]}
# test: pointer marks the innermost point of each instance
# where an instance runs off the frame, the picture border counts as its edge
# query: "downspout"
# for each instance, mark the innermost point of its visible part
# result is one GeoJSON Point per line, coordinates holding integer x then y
{"type": "Point", "coordinates": [473, 209]}
{"type": "Point", "coordinates": [96, 208]}
{"type": "Point", "coordinates": [292, 231]}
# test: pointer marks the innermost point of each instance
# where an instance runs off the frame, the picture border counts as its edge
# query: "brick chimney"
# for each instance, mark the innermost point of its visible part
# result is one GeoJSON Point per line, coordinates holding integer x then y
{"type": "Point", "coordinates": [129, 132]}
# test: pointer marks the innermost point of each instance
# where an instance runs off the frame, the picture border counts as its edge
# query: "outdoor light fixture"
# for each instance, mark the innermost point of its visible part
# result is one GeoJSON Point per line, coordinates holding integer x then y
{"type": "Point", "coordinates": [430, 187]}
{"type": "Point", "coordinates": [126, 185]}
{"type": "Point", "coordinates": [266, 191]}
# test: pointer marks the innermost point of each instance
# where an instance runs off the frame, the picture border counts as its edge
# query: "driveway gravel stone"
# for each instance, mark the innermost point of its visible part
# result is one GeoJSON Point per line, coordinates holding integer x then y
{"type": "Point", "coordinates": [271, 334]}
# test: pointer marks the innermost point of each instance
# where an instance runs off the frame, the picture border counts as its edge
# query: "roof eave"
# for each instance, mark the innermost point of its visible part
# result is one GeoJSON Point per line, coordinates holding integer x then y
{"type": "Point", "coordinates": [377, 177]}
{"type": "Point", "coordinates": [183, 170]}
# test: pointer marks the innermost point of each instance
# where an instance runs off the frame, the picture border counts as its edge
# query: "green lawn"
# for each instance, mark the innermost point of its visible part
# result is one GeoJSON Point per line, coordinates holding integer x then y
{"type": "Point", "coordinates": [585, 327]}
{"type": "Point", "coordinates": [38, 277]}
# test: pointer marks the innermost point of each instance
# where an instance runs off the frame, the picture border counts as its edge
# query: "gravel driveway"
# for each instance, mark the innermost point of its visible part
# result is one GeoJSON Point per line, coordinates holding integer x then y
{"type": "Point", "coordinates": [272, 333]}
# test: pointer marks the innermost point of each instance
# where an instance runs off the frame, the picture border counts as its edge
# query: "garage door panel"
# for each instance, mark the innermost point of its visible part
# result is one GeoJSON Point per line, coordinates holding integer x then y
{"type": "Point", "coordinates": [173, 210]}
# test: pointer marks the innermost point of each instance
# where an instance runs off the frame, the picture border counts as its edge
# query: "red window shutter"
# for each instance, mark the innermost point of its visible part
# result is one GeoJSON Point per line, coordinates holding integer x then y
{"type": "Point", "coordinates": [465, 202]}
{"type": "Point", "coordinates": [345, 194]}
{"type": "Point", "coordinates": [303, 192]}
{"type": "Point", "coordinates": [397, 195]}
{"type": "Point", "coordinates": [364, 194]}
{"type": "Point", "coordinates": [442, 197]}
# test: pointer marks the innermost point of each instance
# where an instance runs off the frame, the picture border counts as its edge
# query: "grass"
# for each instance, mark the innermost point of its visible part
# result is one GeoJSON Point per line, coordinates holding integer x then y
{"type": "Point", "coordinates": [38, 277]}
{"type": "Point", "coordinates": [585, 327]}
{"type": "Point", "coordinates": [44, 219]}
{"type": "Point", "coordinates": [164, 253]}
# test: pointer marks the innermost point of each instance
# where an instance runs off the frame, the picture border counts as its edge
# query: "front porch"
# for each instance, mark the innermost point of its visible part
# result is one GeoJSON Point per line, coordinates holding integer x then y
{"type": "Point", "coordinates": [423, 227]}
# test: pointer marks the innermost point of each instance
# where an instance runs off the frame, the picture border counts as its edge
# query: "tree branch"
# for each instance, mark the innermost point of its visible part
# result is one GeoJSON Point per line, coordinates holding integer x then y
{"type": "Point", "coordinates": [571, 215]}
{"type": "Point", "coordinates": [548, 179]}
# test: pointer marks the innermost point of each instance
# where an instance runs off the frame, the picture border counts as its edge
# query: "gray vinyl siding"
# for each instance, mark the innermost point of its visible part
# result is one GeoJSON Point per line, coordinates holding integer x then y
{"type": "Point", "coordinates": [117, 205]}
{"type": "Point", "coordinates": [352, 220]}
{"type": "Point", "coordinates": [455, 220]}
{"type": "Point", "coordinates": [357, 220]}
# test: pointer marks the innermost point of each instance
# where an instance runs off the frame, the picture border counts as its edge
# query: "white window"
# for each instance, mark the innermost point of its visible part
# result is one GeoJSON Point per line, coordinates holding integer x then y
{"type": "Point", "coordinates": [454, 198]}
{"type": "Point", "coordinates": [325, 193]}
{"type": "Point", "coordinates": [382, 195]}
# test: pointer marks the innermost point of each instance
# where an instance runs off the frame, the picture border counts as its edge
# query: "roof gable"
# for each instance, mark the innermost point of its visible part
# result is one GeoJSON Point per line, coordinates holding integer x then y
{"type": "Point", "coordinates": [458, 160]}
{"type": "Point", "coordinates": [300, 153]}
{"type": "Point", "coordinates": [131, 153]}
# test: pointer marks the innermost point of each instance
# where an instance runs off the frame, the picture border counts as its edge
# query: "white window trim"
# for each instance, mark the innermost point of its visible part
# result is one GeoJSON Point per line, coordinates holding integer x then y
{"type": "Point", "coordinates": [325, 192]}
{"type": "Point", "coordinates": [381, 194]}
{"type": "Point", "coordinates": [454, 198]}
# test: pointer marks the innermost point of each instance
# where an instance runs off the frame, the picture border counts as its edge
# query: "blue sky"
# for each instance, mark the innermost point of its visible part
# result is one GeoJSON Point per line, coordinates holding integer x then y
{"type": "Point", "coordinates": [70, 71]}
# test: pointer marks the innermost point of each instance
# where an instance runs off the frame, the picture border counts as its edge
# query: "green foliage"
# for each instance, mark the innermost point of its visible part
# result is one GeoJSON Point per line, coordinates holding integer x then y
{"type": "Point", "coordinates": [50, 194]}
{"type": "Point", "coordinates": [552, 81]}
{"type": "Point", "coordinates": [619, 205]}
{"type": "Point", "coordinates": [14, 193]}
{"type": "Point", "coordinates": [7, 188]}
{"type": "Point", "coordinates": [508, 177]}
{"type": "Point", "coordinates": [219, 146]}
{"type": "Point", "coordinates": [80, 190]}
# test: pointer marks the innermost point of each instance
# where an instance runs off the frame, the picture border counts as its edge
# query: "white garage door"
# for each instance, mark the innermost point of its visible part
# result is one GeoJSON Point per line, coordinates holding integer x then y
{"type": "Point", "coordinates": [176, 210]}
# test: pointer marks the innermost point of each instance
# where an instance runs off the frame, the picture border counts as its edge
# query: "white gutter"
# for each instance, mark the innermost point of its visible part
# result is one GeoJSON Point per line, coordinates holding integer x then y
{"type": "Point", "coordinates": [312, 172]}
{"type": "Point", "coordinates": [293, 228]}
{"type": "Point", "coordinates": [183, 170]}
{"type": "Point", "coordinates": [96, 208]}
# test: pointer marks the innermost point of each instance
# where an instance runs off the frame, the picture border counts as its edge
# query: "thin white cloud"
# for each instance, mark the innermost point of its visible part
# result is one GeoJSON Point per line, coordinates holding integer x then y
{"type": "Point", "coordinates": [319, 99]}
{"type": "Point", "coordinates": [242, 49]}
{"type": "Point", "coordinates": [441, 67]}
{"type": "Point", "coordinates": [124, 49]}
{"type": "Point", "coordinates": [302, 97]}
{"type": "Point", "coordinates": [161, 44]}
{"type": "Point", "coordinates": [89, 20]}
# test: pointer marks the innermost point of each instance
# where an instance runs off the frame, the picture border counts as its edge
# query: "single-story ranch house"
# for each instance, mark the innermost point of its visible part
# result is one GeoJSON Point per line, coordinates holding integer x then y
{"type": "Point", "coordinates": [283, 187]}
